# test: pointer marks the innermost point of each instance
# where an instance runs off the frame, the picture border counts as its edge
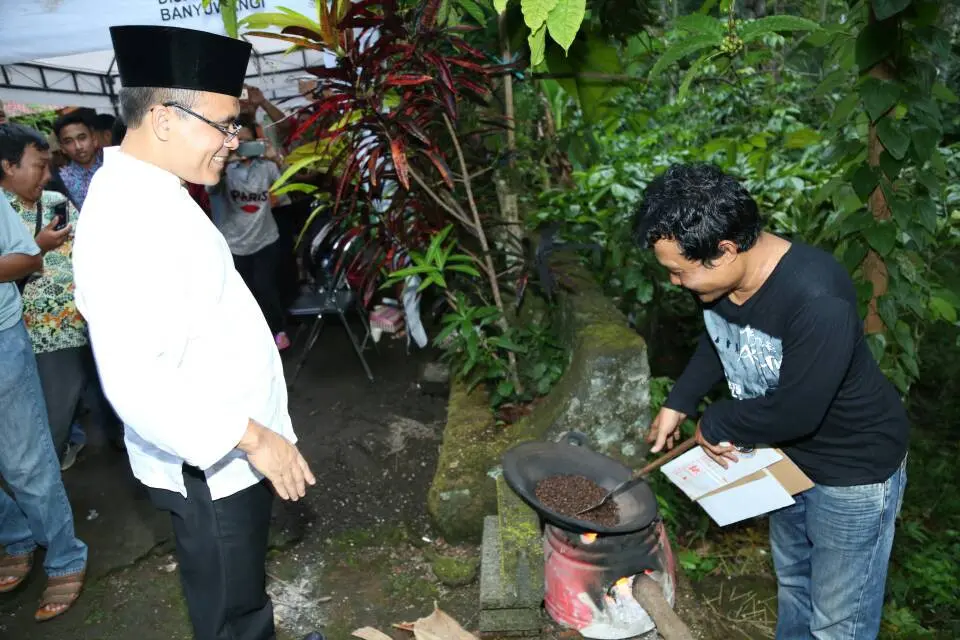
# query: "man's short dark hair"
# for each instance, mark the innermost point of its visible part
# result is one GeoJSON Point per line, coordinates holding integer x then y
{"type": "Point", "coordinates": [104, 122]}
{"type": "Point", "coordinates": [14, 139]}
{"type": "Point", "coordinates": [79, 116]}
{"type": "Point", "coordinates": [136, 102]}
{"type": "Point", "coordinates": [698, 205]}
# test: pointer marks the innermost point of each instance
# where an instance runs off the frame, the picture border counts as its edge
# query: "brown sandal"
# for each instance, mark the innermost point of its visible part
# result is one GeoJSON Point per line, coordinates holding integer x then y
{"type": "Point", "coordinates": [61, 592]}
{"type": "Point", "coordinates": [16, 567]}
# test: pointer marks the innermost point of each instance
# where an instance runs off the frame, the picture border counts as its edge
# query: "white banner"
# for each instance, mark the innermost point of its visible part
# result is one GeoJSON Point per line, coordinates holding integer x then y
{"type": "Point", "coordinates": [32, 29]}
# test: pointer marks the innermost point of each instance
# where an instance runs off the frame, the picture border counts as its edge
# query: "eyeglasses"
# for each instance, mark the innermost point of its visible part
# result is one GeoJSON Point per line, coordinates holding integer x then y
{"type": "Point", "coordinates": [229, 133]}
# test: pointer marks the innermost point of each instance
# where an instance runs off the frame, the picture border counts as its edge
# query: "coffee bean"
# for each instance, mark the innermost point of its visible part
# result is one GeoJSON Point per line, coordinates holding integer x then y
{"type": "Point", "coordinates": [569, 494]}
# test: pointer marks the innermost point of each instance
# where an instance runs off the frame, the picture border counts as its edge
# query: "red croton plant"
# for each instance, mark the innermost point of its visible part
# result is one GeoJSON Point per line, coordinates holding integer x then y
{"type": "Point", "coordinates": [382, 127]}
{"type": "Point", "coordinates": [385, 117]}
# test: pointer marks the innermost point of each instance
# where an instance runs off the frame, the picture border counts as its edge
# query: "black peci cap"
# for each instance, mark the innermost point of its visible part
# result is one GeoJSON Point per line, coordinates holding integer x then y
{"type": "Point", "coordinates": [176, 58]}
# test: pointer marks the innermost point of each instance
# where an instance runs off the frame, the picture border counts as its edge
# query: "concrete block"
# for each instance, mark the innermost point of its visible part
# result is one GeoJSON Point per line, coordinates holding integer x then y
{"type": "Point", "coordinates": [510, 622]}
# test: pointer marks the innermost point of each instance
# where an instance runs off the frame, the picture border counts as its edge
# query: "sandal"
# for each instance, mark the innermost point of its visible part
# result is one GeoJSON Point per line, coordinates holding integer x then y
{"type": "Point", "coordinates": [16, 567]}
{"type": "Point", "coordinates": [59, 596]}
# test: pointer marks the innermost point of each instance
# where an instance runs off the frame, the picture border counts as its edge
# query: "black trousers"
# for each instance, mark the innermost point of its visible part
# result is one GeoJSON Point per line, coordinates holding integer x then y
{"type": "Point", "coordinates": [62, 376]}
{"type": "Point", "coordinates": [222, 550]}
{"type": "Point", "coordinates": [259, 271]}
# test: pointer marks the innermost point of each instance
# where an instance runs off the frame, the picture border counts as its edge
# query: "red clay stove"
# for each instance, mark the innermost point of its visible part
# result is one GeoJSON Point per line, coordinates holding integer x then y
{"type": "Point", "coordinates": [590, 569]}
{"type": "Point", "coordinates": [589, 579]}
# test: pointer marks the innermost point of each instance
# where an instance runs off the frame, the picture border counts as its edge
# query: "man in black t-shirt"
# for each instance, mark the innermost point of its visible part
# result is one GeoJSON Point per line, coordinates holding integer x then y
{"type": "Point", "coordinates": [781, 326]}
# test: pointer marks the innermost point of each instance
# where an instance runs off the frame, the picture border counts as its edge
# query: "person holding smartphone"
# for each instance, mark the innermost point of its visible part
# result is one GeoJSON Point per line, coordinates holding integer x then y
{"type": "Point", "coordinates": [243, 211]}
{"type": "Point", "coordinates": [57, 330]}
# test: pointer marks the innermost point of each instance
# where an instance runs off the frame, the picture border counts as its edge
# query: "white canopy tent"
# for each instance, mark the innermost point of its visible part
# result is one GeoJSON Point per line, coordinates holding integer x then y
{"type": "Point", "coordinates": [58, 52]}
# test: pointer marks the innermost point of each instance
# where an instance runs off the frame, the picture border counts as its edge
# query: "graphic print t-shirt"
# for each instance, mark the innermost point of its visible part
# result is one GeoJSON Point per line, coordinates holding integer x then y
{"type": "Point", "coordinates": [800, 375]}
{"type": "Point", "coordinates": [243, 213]}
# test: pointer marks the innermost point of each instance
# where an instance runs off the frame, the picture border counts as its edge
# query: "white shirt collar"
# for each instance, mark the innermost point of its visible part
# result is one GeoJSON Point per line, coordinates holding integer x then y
{"type": "Point", "coordinates": [115, 158]}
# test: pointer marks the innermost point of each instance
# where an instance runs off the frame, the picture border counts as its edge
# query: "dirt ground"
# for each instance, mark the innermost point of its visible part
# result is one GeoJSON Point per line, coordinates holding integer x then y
{"type": "Point", "coordinates": [356, 552]}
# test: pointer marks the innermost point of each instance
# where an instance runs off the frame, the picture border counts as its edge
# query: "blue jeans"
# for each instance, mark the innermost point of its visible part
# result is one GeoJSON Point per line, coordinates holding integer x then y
{"type": "Point", "coordinates": [831, 551]}
{"type": "Point", "coordinates": [39, 513]}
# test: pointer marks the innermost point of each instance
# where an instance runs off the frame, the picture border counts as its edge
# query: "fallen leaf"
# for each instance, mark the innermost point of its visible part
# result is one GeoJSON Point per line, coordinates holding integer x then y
{"type": "Point", "coordinates": [369, 633]}
{"type": "Point", "coordinates": [323, 599]}
{"type": "Point", "coordinates": [439, 626]}
{"type": "Point", "coordinates": [403, 626]}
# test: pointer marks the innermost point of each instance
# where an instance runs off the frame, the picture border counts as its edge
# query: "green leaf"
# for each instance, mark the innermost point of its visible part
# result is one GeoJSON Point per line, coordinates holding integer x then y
{"type": "Point", "coordinates": [681, 50]}
{"type": "Point", "coordinates": [535, 14]}
{"type": "Point", "coordinates": [700, 23]}
{"type": "Point", "coordinates": [295, 168]}
{"type": "Point", "coordinates": [500, 5]}
{"type": "Point", "coordinates": [876, 41]}
{"type": "Point", "coordinates": [833, 80]}
{"type": "Point", "coordinates": [893, 137]}
{"type": "Point", "coordinates": [891, 166]}
{"type": "Point", "coordinates": [878, 344]}
{"type": "Point", "coordinates": [927, 213]}
{"type": "Point", "coordinates": [228, 12]}
{"type": "Point", "coordinates": [689, 76]}
{"type": "Point", "coordinates": [879, 96]}
{"type": "Point", "coordinates": [776, 24]}
{"type": "Point", "coordinates": [930, 181]}
{"type": "Point", "coordinates": [902, 212]}
{"type": "Point", "coordinates": [904, 336]}
{"type": "Point", "coordinates": [887, 310]}
{"type": "Point", "coordinates": [864, 181]}
{"type": "Point", "coordinates": [882, 237]}
{"type": "Point", "coordinates": [474, 10]}
{"type": "Point", "coordinates": [941, 92]}
{"type": "Point", "coordinates": [538, 44]}
{"type": "Point", "coordinates": [854, 254]}
{"type": "Point", "coordinates": [462, 268]}
{"type": "Point", "coordinates": [564, 21]}
{"type": "Point", "coordinates": [884, 9]}
{"type": "Point", "coordinates": [943, 309]}
{"type": "Point", "coordinates": [925, 140]}
{"type": "Point", "coordinates": [590, 54]}
{"type": "Point", "coordinates": [843, 110]}
{"type": "Point", "coordinates": [801, 138]}
{"type": "Point", "coordinates": [295, 186]}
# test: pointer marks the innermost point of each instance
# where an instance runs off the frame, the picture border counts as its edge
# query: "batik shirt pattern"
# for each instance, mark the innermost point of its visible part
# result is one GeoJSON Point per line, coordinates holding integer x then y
{"type": "Point", "coordinates": [77, 179]}
{"type": "Point", "coordinates": [49, 310]}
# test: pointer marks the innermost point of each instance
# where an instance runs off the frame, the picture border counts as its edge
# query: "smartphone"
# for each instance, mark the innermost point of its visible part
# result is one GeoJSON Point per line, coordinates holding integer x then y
{"type": "Point", "coordinates": [252, 149]}
{"type": "Point", "coordinates": [60, 215]}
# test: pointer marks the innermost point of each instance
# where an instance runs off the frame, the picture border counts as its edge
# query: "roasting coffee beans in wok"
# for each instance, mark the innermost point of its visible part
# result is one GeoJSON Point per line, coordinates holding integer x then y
{"type": "Point", "coordinates": [569, 495]}
{"type": "Point", "coordinates": [527, 464]}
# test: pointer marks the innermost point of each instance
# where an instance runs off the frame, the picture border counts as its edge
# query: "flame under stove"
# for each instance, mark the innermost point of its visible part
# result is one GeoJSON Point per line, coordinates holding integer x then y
{"type": "Point", "coordinates": [589, 579]}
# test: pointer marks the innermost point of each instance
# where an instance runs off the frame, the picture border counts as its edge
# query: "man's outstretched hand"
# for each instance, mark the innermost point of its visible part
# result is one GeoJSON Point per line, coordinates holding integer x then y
{"type": "Point", "coordinates": [665, 429]}
{"type": "Point", "coordinates": [278, 460]}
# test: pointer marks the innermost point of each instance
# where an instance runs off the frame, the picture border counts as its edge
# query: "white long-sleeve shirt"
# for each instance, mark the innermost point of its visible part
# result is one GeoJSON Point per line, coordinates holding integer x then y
{"type": "Point", "coordinates": [184, 353]}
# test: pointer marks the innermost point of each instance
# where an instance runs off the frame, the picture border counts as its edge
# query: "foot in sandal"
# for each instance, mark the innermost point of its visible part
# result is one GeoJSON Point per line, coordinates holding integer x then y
{"type": "Point", "coordinates": [14, 570]}
{"type": "Point", "coordinates": [59, 596]}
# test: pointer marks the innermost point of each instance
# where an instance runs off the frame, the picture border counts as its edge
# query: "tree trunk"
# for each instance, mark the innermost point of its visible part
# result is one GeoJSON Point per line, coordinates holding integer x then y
{"type": "Point", "coordinates": [874, 268]}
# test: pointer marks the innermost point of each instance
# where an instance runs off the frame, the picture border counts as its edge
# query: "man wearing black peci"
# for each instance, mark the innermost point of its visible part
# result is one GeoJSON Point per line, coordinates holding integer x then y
{"type": "Point", "coordinates": [782, 328]}
{"type": "Point", "coordinates": [184, 353]}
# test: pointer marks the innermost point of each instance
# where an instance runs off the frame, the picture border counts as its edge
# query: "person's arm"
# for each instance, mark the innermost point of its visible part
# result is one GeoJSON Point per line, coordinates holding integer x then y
{"type": "Point", "coordinates": [19, 254]}
{"type": "Point", "coordinates": [701, 374]}
{"type": "Point", "coordinates": [281, 123]}
{"type": "Point", "coordinates": [817, 350]}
